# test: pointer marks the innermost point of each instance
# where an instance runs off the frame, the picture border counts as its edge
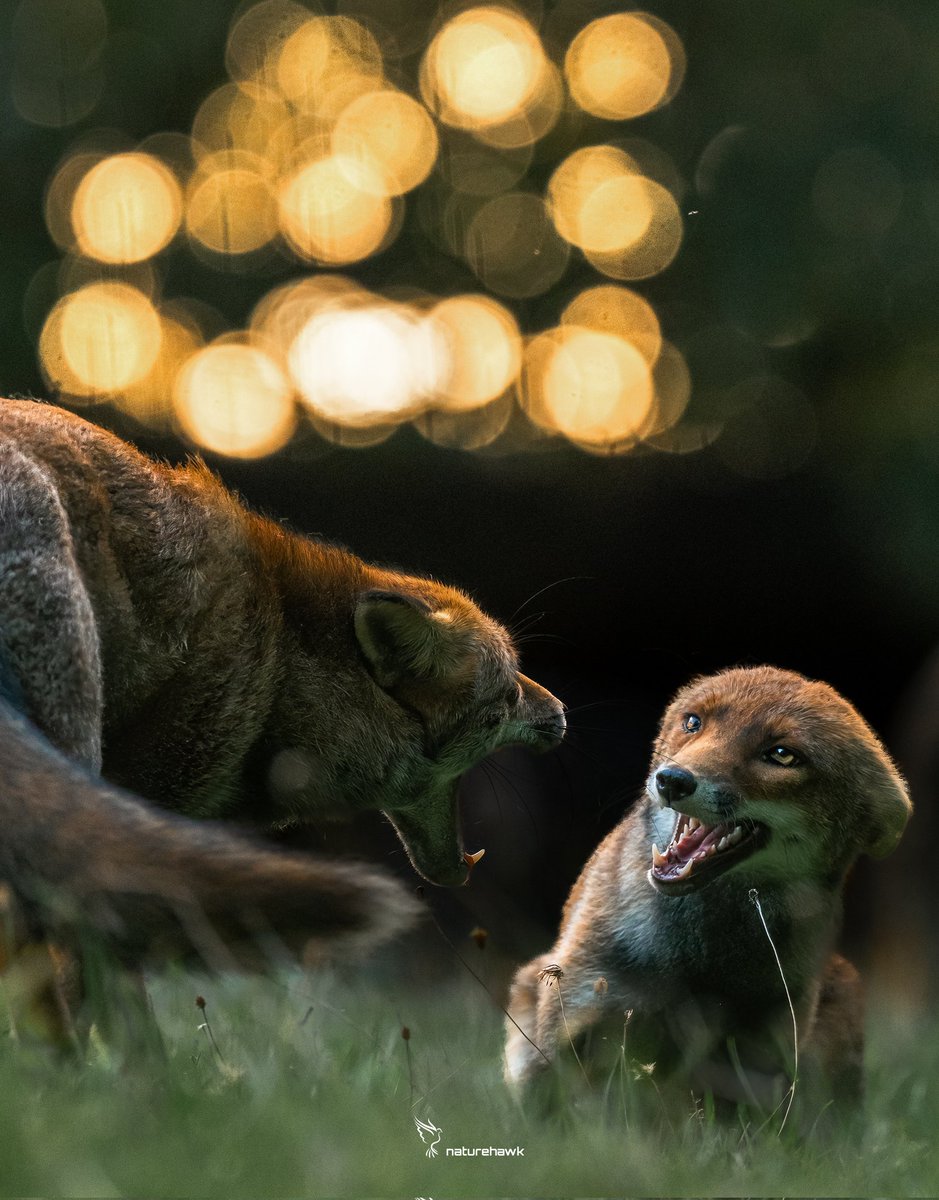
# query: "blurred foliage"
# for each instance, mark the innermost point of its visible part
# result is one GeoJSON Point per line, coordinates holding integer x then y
{"type": "Point", "coordinates": [311, 1090]}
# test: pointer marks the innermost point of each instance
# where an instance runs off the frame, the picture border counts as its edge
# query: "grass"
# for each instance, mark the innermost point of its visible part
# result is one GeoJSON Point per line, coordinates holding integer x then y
{"type": "Point", "coordinates": [309, 1089]}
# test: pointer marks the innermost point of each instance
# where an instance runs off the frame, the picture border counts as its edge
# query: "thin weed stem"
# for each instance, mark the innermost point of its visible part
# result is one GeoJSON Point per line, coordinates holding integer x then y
{"type": "Point", "coordinates": [482, 983]}
{"type": "Point", "coordinates": [552, 974]}
{"type": "Point", "coordinates": [200, 1004]}
{"type": "Point", "coordinates": [791, 1093]}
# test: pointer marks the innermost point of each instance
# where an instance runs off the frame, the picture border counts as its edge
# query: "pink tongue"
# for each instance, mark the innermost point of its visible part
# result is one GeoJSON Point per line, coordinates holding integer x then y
{"type": "Point", "coordinates": [690, 843]}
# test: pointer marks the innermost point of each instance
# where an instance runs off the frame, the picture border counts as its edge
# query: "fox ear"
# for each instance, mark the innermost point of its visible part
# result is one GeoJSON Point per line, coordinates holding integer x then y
{"type": "Point", "coordinates": [402, 637]}
{"type": "Point", "coordinates": [891, 809]}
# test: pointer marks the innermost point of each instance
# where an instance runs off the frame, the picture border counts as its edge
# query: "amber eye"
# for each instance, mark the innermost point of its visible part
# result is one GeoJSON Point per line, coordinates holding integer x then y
{"type": "Point", "coordinates": [691, 723]}
{"type": "Point", "coordinates": [782, 756]}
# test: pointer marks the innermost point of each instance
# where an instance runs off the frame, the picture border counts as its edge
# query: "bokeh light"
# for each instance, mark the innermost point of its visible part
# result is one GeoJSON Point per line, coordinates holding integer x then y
{"type": "Point", "coordinates": [628, 226]}
{"type": "Point", "coordinates": [230, 207]}
{"type": "Point", "coordinates": [150, 400]}
{"type": "Point", "coordinates": [375, 363]}
{"type": "Point", "coordinates": [334, 211]}
{"type": "Point", "coordinates": [101, 339]}
{"type": "Point", "coordinates": [392, 134]}
{"type": "Point", "coordinates": [483, 347]}
{"type": "Point", "coordinates": [486, 67]}
{"type": "Point", "coordinates": [595, 388]}
{"type": "Point", "coordinates": [326, 62]}
{"type": "Point", "coordinates": [233, 399]}
{"type": "Point", "coordinates": [127, 207]}
{"type": "Point", "coordinates": [580, 176]}
{"type": "Point", "coordinates": [618, 67]}
{"type": "Point", "coordinates": [609, 308]}
{"type": "Point", "coordinates": [314, 150]}
{"type": "Point", "coordinates": [256, 36]}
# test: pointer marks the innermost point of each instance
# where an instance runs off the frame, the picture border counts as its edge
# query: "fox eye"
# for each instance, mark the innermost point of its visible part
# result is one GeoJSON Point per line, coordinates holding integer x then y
{"type": "Point", "coordinates": [782, 756]}
{"type": "Point", "coordinates": [691, 723]}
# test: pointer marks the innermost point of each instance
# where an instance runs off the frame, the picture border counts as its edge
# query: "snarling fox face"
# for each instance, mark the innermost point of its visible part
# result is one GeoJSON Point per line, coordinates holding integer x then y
{"type": "Point", "coordinates": [453, 674]}
{"type": "Point", "coordinates": [766, 775]}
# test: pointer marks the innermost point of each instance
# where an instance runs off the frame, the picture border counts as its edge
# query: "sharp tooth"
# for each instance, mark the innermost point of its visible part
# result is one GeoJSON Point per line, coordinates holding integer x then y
{"type": "Point", "coordinates": [693, 824]}
{"type": "Point", "coordinates": [712, 849]}
{"type": "Point", "coordinates": [685, 871]}
{"type": "Point", "coordinates": [658, 858]}
{"type": "Point", "coordinates": [723, 844]}
{"type": "Point", "coordinates": [735, 837]}
{"type": "Point", "coordinates": [472, 859]}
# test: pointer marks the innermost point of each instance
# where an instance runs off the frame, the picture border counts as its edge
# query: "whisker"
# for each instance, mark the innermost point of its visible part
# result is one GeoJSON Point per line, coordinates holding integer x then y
{"type": "Point", "coordinates": [547, 588]}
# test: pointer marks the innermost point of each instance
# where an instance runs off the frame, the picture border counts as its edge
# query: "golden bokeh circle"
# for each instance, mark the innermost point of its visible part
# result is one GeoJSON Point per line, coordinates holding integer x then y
{"type": "Point", "coordinates": [231, 210]}
{"type": "Point", "coordinates": [483, 67]}
{"type": "Point", "coordinates": [100, 339]}
{"type": "Point", "coordinates": [655, 249]}
{"type": "Point", "coordinates": [484, 350]}
{"type": "Point", "coordinates": [333, 210]}
{"type": "Point", "coordinates": [126, 208]}
{"type": "Point", "coordinates": [618, 67]}
{"type": "Point", "coordinates": [233, 399]}
{"type": "Point", "coordinates": [369, 364]}
{"type": "Point", "coordinates": [609, 308]}
{"type": "Point", "coordinates": [594, 388]}
{"type": "Point", "coordinates": [392, 132]}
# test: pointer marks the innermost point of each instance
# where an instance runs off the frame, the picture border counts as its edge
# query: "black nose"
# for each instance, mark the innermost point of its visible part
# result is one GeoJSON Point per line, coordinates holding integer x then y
{"type": "Point", "coordinates": [672, 783]}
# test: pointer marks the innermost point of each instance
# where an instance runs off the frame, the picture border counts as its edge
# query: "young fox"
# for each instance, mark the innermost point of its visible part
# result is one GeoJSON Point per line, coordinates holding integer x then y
{"type": "Point", "coordinates": [154, 631]}
{"type": "Point", "coordinates": [764, 789]}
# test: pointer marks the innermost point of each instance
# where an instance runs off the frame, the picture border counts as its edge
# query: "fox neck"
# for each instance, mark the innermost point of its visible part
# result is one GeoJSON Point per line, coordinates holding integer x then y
{"type": "Point", "coordinates": [721, 924]}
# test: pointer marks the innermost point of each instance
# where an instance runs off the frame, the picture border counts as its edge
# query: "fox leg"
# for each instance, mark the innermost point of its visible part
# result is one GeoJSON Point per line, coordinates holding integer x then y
{"type": "Point", "coordinates": [834, 1049]}
{"type": "Point", "coordinates": [553, 1009]}
{"type": "Point", "coordinates": [50, 658]}
{"type": "Point", "coordinates": [524, 1057]}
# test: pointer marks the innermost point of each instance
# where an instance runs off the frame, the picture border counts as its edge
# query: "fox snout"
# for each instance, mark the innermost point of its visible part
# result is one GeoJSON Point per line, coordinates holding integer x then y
{"type": "Point", "coordinates": [540, 715]}
{"type": "Point", "coordinates": [673, 784]}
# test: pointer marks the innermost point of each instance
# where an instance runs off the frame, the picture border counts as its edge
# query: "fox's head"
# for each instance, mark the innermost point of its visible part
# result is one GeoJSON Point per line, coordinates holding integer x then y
{"type": "Point", "coordinates": [763, 774]}
{"type": "Point", "coordinates": [454, 672]}
{"type": "Point", "coordinates": [409, 685]}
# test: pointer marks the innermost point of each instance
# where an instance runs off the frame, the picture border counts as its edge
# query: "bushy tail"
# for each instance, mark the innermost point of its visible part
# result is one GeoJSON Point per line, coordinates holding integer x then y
{"type": "Point", "coordinates": [80, 856]}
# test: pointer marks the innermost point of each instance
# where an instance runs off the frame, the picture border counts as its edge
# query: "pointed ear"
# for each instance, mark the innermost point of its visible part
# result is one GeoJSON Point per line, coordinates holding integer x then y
{"type": "Point", "coordinates": [402, 637]}
{"type": "Point", "coordinates": [891, 809]}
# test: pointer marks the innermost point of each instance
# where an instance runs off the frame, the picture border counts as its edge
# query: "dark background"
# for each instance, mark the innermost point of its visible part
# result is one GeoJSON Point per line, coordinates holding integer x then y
{"type": "Point", "coordinates": [805, 535]}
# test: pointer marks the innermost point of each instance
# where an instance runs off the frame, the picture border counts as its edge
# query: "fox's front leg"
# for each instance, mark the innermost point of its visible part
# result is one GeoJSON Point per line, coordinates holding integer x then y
{"type": "Point", "coordinates": [549, 1008]}
{"type": "Point", "coordinates": [50, 663]}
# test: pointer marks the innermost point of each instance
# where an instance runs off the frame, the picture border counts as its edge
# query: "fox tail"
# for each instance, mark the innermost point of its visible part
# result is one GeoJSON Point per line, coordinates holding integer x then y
{"type": "Point", "coordinates": [78, 856]}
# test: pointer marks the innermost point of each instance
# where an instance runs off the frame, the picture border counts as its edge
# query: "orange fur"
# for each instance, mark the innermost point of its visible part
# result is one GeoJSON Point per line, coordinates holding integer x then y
{"type": "Point", "coordinates": [791, 765]}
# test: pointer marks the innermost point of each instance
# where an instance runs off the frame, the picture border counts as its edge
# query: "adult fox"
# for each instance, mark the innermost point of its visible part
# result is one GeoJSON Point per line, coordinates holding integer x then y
{"type": "Point", "coordinates": [214, 664]}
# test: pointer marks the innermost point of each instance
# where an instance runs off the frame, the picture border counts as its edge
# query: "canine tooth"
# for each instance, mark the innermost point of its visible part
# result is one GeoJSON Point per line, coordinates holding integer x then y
{"type": "Point", "coordinates": [472, 859]}
{"type": "Point", "coordinates": [735, 837]}
{"type": "Point", "coordinates": [723, 843]}
{"type": "Point", "coordinates": [685, 871]}
{"type": "Point", "coordinates": [693, 824]}
{"type": "Point", "coordinates": [712, 849]}
{"type": "Point", "coordinates": [658, 858]}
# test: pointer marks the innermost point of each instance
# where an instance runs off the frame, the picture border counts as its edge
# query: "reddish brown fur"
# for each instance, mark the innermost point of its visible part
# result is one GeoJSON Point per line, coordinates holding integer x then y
{"type": "Point", "coordinates": [690, 958]}
{"type": "Point", "coordinates": [155, 631]}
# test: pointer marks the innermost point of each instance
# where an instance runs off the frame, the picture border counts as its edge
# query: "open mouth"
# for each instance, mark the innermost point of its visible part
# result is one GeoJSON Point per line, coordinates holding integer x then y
{"type": "Point", "coordinates": [698, 853]}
